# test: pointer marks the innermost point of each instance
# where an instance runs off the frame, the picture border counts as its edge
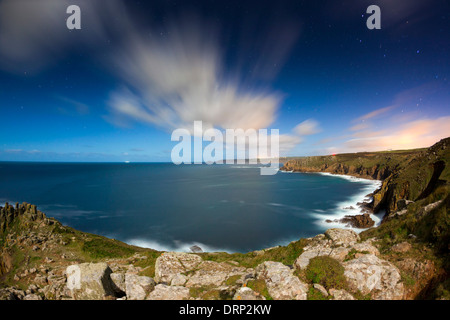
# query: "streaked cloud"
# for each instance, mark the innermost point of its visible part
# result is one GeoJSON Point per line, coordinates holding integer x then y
{"type": "Point", "coordinates": [307, 127]}
{"type": "Point", "coordinates": [375, 113]}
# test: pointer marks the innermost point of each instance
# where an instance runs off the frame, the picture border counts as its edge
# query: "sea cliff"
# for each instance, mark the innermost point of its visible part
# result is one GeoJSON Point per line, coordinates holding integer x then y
{"type": "Point", "coordinates": [406, 257]}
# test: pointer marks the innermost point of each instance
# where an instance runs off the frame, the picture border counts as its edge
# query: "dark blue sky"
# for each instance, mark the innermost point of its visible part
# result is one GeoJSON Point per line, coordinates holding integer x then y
{"type": "Point", "coordinates": [115, 90]}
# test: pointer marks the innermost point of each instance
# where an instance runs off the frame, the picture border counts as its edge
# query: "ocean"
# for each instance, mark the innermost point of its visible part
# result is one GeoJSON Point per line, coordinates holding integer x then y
{"type": "Point", "coordinates": [162, 206]}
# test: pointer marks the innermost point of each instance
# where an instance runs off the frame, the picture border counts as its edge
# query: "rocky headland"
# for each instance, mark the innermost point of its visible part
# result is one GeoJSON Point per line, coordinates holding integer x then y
{"type": "Point", "coordinates": [406, 257]}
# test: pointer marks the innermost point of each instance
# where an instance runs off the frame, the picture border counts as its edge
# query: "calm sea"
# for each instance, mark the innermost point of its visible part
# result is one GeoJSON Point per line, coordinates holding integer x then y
{"type": "Point", "coordinates": [163, 206]}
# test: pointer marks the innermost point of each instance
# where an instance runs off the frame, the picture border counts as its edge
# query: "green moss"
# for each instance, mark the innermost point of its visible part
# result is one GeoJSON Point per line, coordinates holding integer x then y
{"type": "Point", "coordinates": [352, 254]}
{"type": "Point", "coordinates": [407, 279]}
{"type": "Point", "coordinates": [314, 294]}
{"type": "Point", "coordinates": [359, 296]}
{"type": "Point", "coordinates": [327, 272]}
{"type": "Point", "coordinates": [259, 285]}
{"type": "Point", "coordinates": [148, 264]}
{"type": "Point", "coordinates": [231, 281]}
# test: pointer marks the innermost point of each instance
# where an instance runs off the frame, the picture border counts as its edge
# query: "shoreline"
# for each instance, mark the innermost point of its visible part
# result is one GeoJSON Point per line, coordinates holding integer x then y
{"type": "Point", "coordinates": [342, 207]}
{"type": "Point", "coordinates": [358, 205]}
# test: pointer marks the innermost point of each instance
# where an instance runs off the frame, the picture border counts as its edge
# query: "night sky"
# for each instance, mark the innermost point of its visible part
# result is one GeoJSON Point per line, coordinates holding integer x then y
{"type": "Point", "coordinates": [115, 90]}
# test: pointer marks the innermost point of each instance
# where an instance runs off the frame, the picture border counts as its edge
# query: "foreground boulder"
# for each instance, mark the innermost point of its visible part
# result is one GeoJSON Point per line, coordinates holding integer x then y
{"type": "Point", "coordinates": [165, 292]}
{"type": "Point", "coordinates": [170, 264]}
{"type": "Point", "coordinates": [89, 281]}
{"type": "Point", "coordinates": [212, 273]}
{"type": "Point", "coordinates": [371, 275]}
{"type": "Point", "coordinates": [342, 236]}
{"type": "Point", "coordinates": [280, 281]}
{"type": "Point", "coordinates": [138, 287]}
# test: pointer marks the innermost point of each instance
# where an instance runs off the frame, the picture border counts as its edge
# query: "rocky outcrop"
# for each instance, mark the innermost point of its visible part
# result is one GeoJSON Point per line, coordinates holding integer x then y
{"type": "Point", "coordinates": [164, 292]}
{"type": "Point", "coordinates": [342, 237]}
{"type": "Point", "coordinates": [211, 273]}
{"type": "Point", "coordinates": [360, 221]}
{"type": "Point", "coordinates": [170, 264]}
{"type": "Point", "coordinates": [335, 243]}
{"type": "Point", "coordinates": [138, 287]}
{"type": "Point", "coordinates": [371, 275]}
{"type": "Point", "coordinates": [89, 281]}
{"type": "Point", "coordinates": [280, 281]}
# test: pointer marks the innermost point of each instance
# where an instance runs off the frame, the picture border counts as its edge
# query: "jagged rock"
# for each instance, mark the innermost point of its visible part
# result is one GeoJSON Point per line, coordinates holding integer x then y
{"type": "Point", "coordinates": [341, 295]}
{"type": "Point", "coordinates": [170, 264]}
{"type": "Point", "coordinates": [342, 236]}
{"type": "Point", "coordinates": [245, 293]}
{"type": "Point", "coordinates": [321, 288]}
{"type": "Point", "coordinates": [211, 273]}
{"type": "Point", "coordinates": [369, 274]}
{"type": "Point", "coordinates": [165, 292]}
{"type": "Point", "coordinates": [401, 247]}
{"type": "Point", "coordinates": [89, 281]}
{"type": "Point", "coordinates": [366, 246]}
{"type": "Point", "coordinates": [280, 281]}
{"type": "Point", "coordinates": [118, 283]}
{"type": "Point", "coordinates": [360, 221]}
{"type": "Point", "coordinates": [32, 297]}
{"type": "Point", "coordinates": [337, 246]}
{"type": "Point", "coordinates": [11, 293]}
{"type": "Point", "coordinates": [138, 287]}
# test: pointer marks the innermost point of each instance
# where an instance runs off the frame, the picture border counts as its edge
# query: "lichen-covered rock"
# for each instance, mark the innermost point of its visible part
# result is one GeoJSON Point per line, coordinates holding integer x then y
{"type": "Point", "coordinates": [338, 253]}
{"type": "Point", "coordinates": [342, 236]}
{"type": "Point", "coordinates": [335, 243]}
{"type": "Point", "coordinates": [340, 295]}
{"type": "Point", "coordinates": [165, 292]}
{"type": "Point", "coordinates": [168, 265]}
{"type": "Point", "coordinates": [138, 287]}
{"type": "Point", "coordinates": [211, 273]}
{"type": "Point", "coordinates": [245, 293]}
{"type": "Point", "coordinates": [366, 247]}
{"type": "Point", "coordinates": [118, 283]}
{"type": "Point", "coordinates": [369, 274]}
{"type": "Point", "coordinates": [89, 281]}
{"type": "Point", "coordinates": [280, 281]}
{"type": "Point", "coordinates": [179, 280]}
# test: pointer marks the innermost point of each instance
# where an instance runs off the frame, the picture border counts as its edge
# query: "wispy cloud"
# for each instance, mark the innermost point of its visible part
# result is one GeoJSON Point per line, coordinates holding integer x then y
{"type": "Point", "coordinates": [374, 114]}
{"type": "Point", "coordinates": [72, 107]}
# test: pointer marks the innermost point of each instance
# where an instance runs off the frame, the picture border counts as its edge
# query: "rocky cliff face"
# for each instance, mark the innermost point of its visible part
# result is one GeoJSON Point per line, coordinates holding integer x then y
{"type": "Point", "coordinates": [406, 175]}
